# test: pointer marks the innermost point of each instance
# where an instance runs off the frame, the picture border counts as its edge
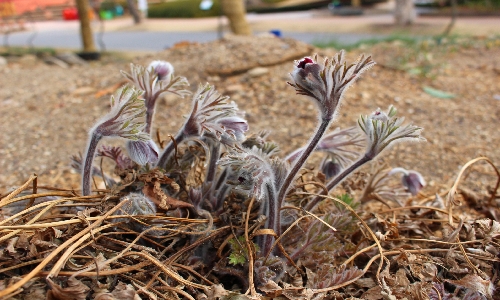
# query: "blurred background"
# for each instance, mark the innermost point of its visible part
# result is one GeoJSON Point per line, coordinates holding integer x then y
{"type": "Point", "coordinates": [41, 23]}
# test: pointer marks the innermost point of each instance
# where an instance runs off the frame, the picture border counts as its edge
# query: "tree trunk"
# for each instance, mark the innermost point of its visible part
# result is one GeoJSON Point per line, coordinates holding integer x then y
{"type": "Point", "coordinates": [405, 13]}
{"type": "Point", "coordinates": [236, 14]}
{"type": "Point", "coordinates": [85, 29]}
{"type": "Point", "coordinates": [454, 13]}
{"type": "Point", "coordinates": [134, 11]}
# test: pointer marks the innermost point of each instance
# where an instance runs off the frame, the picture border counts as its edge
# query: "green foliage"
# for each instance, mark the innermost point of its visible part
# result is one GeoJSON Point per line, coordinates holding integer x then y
{"type": "Point", "coordinates": [438, 93]}
{"type": "Point", "coordinates": [407, 40]}
{"type": "Point", "coordinates": [20, 51]}
{"type": "Point", "coordinates": [347, 199]}
{"type": "Point", "coordinates": [292, 6]}
{"type": "Point", "coordinates": [478, 4]}
{"type": "Point", "coordinates": [183, 9]}
{"type": "Point", "coordinates": [108, 5]}
{"type": "Point", "coordinates": [239, 254]}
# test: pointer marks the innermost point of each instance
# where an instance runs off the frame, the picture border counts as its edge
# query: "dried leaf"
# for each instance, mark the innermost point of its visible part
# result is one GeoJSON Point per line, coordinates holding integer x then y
{"type": "Point", "coordinates": [271, 289]}
{"type": "Point", "coordinates": [216, 291]}
{"type": "Point", "coordinates": [10, 246]}
{"type": "Point", "coordinates": [156, 194]}
{"type": "Point", "coordinates": [75, 290]}
{"type": "Point", "coordinates": [57, 232]}
{"type": "Point", "coordinates": [476, 284]}
{"type": "Point", "coordinates": [122, 291]}
{"type": "Point", "coordinates": [23, 242]}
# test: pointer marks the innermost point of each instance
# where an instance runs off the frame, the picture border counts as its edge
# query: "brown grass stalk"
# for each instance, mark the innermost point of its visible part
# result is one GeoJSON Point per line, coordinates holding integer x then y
{"type": "Point", "coordinates": [12, 288]}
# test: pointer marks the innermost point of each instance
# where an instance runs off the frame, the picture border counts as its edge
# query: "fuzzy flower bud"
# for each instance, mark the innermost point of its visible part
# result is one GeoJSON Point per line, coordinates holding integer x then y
{"type": "Point", "coordinates": [162, 69]}
{"type": "Point", "coordinates": [156, 80]}
{"type": "Point", "coordinates": [125, 120]}
{"type": "Point", "coordinates": [138, 205]}
{"type": "Point", "coordinates": [331, 168]}
{"type": "Point", "coordinates": [412, 180]}
{"type": "Point", "coordinates": [126, 117]}
{"type": "Point", "coordinates": [235, 126]}
{"type": "Point", "coordinates": [327, 82]}
{"type": "Point", "coordinates": [382, 129]}
{"type": "Point", "coordinates": [143, 152]}
{"type": "Point", "coordinates": [208, 110]}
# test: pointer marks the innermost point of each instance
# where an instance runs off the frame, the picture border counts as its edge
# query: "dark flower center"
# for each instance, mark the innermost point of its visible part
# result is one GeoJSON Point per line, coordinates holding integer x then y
{"type": "Point", "coordinates": [306, 60]}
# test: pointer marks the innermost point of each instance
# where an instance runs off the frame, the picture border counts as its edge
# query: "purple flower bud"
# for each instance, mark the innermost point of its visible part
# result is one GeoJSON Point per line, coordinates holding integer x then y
{"type": "Point", "coordinates": [162, 68]}
{"type": "Point", "coordinates": [412, 180]}
{"type": "Point", "coordinates": [235, 126]}
{"type": "Point", "coordinates": [331, 168]}
{"type": "Point", "coordinates": [306, 60]}
{"type": "Point", "coordinates": [143, 152]}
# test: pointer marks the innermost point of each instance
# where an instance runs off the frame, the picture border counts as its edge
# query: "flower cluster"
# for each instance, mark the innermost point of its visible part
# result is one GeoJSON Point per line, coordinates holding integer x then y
{"type": "Point", "coordinates": [211, 168]}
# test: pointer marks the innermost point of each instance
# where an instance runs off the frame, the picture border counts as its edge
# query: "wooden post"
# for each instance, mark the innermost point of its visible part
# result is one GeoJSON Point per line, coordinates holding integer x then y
{"type": "Point", "coordinates": [85, 29]}
{"type": "Point", "coordinates": [236, 13]}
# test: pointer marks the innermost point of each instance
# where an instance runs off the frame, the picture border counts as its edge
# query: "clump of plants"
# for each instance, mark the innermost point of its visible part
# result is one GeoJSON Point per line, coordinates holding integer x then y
{"type": "Point", "coordinates": [214, 211]}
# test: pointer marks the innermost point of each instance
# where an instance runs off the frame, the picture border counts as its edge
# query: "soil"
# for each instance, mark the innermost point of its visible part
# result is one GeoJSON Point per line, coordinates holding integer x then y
{"type": "Point", "coordinates": [47, 109]}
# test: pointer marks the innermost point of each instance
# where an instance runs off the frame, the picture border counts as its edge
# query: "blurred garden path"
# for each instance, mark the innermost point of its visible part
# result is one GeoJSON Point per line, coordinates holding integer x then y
{"type": "Point", "coordinates": [309, 26]}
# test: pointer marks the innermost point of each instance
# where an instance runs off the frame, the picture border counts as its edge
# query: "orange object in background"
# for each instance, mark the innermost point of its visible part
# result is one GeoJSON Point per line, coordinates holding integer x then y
{"type": "Point", "coordinates": [7, 8]}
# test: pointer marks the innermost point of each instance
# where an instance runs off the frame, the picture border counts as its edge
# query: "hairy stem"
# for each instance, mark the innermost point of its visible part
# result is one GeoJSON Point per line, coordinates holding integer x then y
{"type": "Point", "coordinates": [338, 179]}
{"type": "Point", "coordinates": [149, 119]}
{"type": "Point", "coordinates": [273, 214]}
{"type": "Point", "coordinates": [87, 164]}
{"type": "Point", "coordinates": [301, 160]}
{"type": "Point", "coordinates": [162, 161]}
{"type": "Point", "coordinates": [214, 157]}
{"type": "Point", "coordinates": [275, 223]}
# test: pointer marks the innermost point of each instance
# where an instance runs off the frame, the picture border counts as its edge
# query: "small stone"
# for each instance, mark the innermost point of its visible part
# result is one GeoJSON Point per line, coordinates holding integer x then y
{"type": "Point", "coordinates": [84, 90]}
{"type": "Point", "coordinates": [214, 78]}
{"type": "Point", "coordinates": [55, 61]}
{"type": "Point", "coordinates": [257, 72]}
{"type": "Point", "coordinates": [3, 61]}
{"type": "Point", "coordinates": [234, 88]}
{"type": "Point", "coordinates": [71, 58]}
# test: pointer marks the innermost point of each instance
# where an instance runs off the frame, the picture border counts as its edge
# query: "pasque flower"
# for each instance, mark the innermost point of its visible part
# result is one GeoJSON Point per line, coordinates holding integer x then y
{"type": "Point", "coordinates": [381, 129]}
{"type": "Point", "coordinates": [156, 79]}
{"type": "Point", "coordinates": [210, 113]}
{"type": "Point", "coordinates": [412, 180]}
{"type": "Point", "coordinates": [125, 120]}
{"type": "Point", "coordinates": [163, 69]}
{"type": "Point", "coordinates": [143, 152]}
{"type": "Point", "coordinates": [384, 128]}
{"type": "Point", "coordinates": [326, 83]}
